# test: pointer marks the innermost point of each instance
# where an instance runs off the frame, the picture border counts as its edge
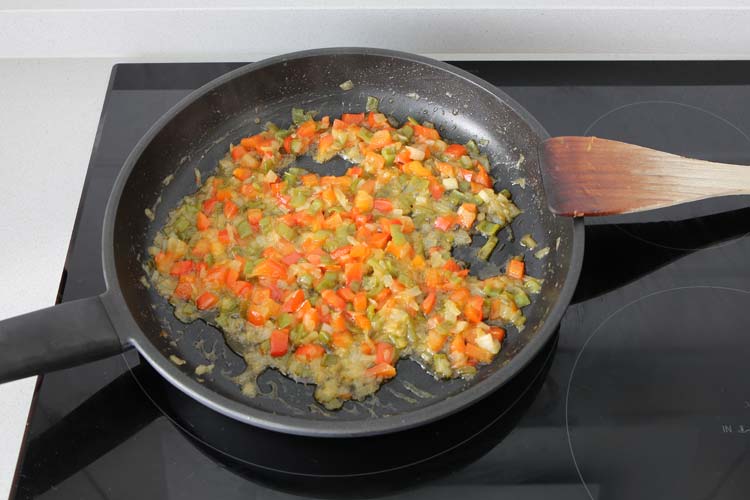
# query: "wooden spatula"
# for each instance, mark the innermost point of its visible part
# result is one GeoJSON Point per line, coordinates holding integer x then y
{"type": "Point", "coordinates": [585, 176]}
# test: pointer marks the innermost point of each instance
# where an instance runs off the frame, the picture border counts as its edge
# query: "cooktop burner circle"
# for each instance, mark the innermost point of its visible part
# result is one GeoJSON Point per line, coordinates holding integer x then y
{"type": "Point", "coordinates": [686, 130]}
{"type": "Point", "coordinates": [434, 448]}
{"type": "Point", "coordinates": [658, 405]}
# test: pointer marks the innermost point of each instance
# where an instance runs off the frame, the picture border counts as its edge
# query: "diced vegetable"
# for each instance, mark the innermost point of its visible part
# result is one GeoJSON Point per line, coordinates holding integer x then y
{"type": "Point", "coordinates": [332, 279]}
{"type": "Point", "coordinates": [516, 268]}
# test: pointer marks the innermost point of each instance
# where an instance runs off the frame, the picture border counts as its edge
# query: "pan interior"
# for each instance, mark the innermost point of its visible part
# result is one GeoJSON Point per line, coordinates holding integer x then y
{"type": "Point", "coordinates": [199, 135]}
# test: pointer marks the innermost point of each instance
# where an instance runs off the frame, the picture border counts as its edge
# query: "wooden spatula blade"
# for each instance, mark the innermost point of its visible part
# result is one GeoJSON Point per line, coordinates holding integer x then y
{"type": "Point", "coordinates": [585, 176]}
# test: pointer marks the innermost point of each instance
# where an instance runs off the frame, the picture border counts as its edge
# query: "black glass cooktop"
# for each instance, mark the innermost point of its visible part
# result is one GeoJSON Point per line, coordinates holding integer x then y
{"type": "Point", "coordinates": [644, 393]}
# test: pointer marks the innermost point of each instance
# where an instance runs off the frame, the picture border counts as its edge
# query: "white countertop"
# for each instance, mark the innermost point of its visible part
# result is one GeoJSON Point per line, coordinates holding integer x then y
{"type": "Point", "coordinates": [49, 111]}
{"type": "Point", "coordinates": [55, 63]}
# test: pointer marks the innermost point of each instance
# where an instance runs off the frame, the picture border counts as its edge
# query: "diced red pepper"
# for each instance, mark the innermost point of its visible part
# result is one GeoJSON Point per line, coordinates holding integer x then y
{"type": "Point", "coordinates": [455, 150]}
{"type": "Point", "coordinates": [181, 267]}
{"type": "Point", "coordinates": [279, 342]}
{"type": "Point", "coordinates": [206, 301]}
{"type": "Point", "coordinates": [473, 309]}
{"type": "Point", "coordinates": [293, 301]}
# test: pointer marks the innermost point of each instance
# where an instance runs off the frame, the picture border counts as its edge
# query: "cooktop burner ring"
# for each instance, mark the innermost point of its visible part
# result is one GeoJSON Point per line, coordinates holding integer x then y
{"type": "Point", "coordinates": [701, 131]}
{"type": "Point", "coordinates": [536, 378]}
{"type": "Point", "coordinates": [593, 335]}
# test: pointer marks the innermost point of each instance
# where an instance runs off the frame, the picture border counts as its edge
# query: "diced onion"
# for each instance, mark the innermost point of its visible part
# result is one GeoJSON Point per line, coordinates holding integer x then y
{"type": "Point", "coordinates": [485, 195]}
{"type": "Point", "coordinates": [450, 183]}
{"type": "Point", "coordinates": [488, 343]}
{"type": "Point", "coordinates": [415, 153]}
{"type": "Point", "coordinates": [271, 176]}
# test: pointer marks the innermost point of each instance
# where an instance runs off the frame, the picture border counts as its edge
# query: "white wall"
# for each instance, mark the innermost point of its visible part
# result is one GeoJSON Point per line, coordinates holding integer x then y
{"type": "Point", "coordinates": [242, 30]}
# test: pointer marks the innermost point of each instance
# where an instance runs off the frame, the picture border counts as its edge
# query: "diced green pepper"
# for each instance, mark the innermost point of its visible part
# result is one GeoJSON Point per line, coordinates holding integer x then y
{"type": "Point", "coordinates": [181, 224]}
{"type": "Point", "coordinates": [244, 229]}
{"type": "Point", "coordinates": [282, 133]}
{"type": "Point", "coordinates": [296, 146]}
{"type": "Point", "coordinates": [330, 360]}
{"type": "Point", "coordinates": [266, 223]}
{"type": "Point", "coordinates": [329, 280]}
{"type": "Point", "coordinates": [389, 154]}
{"type": "Point", "coordinates": [299, 198]}
{"type": "Point", "coordinates": [316, 206]}
{"type": "Point", "coordinates": [406, 130]}
{"type": "Point", "coordinates": [305, 280]}
{"type": "Point", "coordinates": [488, 228]}
{"type": "Point", "coordinates": [372, 104]}
{"type": "Point", "coordinates": [299, 116]}
{"type": "Point", "coordinates": [397, 235]}
{"type": "Point", "coordinates": [364, 134]}
{"type": "Point", "coordinates": [285, 320]}
{"type": "Point", "coordinates": [521, 299]}
{"type": "Point", "coordinates": [472, 148]}
{"type": "Point", "coordinates": [486, 250]}
{"type": "Point", "coordinates": [442, 366]}
{"type": "Point", "coordinates": [285, 231]}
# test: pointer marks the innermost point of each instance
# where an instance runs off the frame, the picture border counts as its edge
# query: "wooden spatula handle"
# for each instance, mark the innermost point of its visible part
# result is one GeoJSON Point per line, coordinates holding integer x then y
{"type": "Point", "coordinates": [592, 176]}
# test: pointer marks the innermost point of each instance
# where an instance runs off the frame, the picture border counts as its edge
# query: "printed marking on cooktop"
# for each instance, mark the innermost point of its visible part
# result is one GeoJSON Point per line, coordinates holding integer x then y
{"type": "Point", "coordinates": [656, 381]}
{"type": "Point", "coordinates": [735, 429]}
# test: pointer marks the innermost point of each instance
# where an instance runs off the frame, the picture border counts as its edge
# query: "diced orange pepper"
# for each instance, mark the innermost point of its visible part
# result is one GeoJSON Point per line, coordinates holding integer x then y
{"type": "Point", "coordinates": [238, 152]}
{"type": "Point", "coordinates": [382, 370]}
{"type": "Point", "coordinates": [384, 353]}
{"type": "Point", "coordinates": [309, 180]}
{"type": "Point", "coordinates": [360, 302]}
{"type": "Point", "coordinates": [242, 173]}
{"type": "Point", "coordinates": [478, 353]}
{"type": "Point", "coordinates": [202, 222]}
{"type": "Point", "coordinates": [307, 129]}
{"type": "Point", "coordinates": [429, 303]}
{"type": "Point", "coordinates": [362, 322]}
{"type": "Point", "coordinates": [380, 139]}
{"type": "Point", "coordinates": [342, 339]}
{"type": "Point", "coordinates": [516, 269]}
{"type": "Point", "coordinates": [426, 132]}
{"type": "Point", "coordinates": [435, 340]}
{"type": "Point", "coordinates": [333, 299]}
{"type": "Point", "coordinates": [352, 119]}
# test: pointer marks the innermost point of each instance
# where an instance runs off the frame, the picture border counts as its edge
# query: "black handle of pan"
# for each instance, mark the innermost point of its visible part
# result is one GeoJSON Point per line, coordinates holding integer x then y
{"type": "Point", "coordinates": [57, 337]}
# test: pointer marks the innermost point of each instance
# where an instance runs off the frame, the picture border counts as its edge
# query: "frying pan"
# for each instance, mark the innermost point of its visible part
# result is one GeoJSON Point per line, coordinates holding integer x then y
{"type": "Point", "coordinates": [196, 134]}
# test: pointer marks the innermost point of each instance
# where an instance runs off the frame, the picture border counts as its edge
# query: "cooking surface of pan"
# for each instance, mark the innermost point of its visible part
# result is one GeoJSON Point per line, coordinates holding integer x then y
{"type": "Point", "coordinates": [196, 134]}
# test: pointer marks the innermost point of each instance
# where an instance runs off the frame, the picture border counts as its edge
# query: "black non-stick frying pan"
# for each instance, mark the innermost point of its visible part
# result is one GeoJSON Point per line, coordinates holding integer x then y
{"type": "Point", "coordinates": [196, 134]}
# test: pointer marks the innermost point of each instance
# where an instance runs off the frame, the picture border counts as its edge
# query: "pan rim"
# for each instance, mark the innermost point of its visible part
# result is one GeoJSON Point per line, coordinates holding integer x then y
{"type": "Point", "coordinates": [132, 334]}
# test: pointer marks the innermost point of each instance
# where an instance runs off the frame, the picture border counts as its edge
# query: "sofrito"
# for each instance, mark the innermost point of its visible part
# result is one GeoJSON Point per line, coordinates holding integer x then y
{"type": "Point", "coordinates": [332, 279]}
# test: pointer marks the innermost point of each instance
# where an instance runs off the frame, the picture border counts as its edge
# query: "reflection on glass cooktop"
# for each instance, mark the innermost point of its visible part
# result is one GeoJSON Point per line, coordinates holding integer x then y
{"type": "Point", "coordinates": [643, 393]}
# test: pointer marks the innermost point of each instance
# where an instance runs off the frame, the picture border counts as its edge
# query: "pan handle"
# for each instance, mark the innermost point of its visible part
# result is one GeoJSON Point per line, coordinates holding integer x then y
{"type": "Point", "coordinates": [57, 337]}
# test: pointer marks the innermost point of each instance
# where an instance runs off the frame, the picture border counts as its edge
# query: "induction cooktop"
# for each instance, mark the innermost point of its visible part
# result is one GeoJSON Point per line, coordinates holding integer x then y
{"type": "Point", "coordinates": [643, 393]}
